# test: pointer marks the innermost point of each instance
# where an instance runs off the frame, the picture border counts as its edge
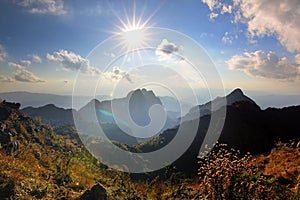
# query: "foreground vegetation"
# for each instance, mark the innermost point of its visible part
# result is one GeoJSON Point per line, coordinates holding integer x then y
{"type": "Point", "coordinates": [53, 164]}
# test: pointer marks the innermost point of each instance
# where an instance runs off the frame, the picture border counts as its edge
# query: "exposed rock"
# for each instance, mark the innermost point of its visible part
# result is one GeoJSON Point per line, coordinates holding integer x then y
{"type": "Point", "coordinates": [6, 109]}
{"type": "Point", "coordinates": [97, 192]}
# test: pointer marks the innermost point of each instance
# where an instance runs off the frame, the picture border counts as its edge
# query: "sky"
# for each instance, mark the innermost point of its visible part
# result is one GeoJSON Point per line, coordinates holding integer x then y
{"type": "Point", "coordinates": [58, 47]}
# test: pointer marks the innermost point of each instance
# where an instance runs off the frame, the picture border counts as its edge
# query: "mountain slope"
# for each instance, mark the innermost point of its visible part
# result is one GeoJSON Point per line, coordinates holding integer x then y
{"type": "Point", "coordinates": [235, 96]}
{"type": "Point", "coordinates": [38, 163]}
{"type": "Point", "coordinates": [50, 114]}
{"type": "Point", "coordinates": [247, 128]}
{"type": "Point", "coordinates": [118, 115]}
{"type": "Point", "coordinates": [40, 99]}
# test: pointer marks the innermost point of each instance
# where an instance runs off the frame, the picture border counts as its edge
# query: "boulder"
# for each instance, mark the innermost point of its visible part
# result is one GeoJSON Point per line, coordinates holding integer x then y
{"type": "Point", "coordinates": [97, 192]}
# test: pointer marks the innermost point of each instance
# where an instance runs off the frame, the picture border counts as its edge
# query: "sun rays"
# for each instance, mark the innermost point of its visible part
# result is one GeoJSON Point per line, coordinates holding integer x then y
{"type": "Point", "coordinates": [132, 29]}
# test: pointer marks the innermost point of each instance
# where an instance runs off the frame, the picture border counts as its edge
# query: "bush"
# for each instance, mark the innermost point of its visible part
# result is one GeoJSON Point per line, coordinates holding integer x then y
{"type": "Point", "coordinates": [225, 174]}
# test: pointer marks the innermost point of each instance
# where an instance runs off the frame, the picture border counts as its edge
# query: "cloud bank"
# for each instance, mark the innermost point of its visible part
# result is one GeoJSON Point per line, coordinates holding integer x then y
{"type": "Point", "coordinates": [73, 61]}
{"type": "Point", "coordinates": [266, 65]}
{"type": "Point", "coordinates": [6, 79]}
{"type": "Point", "coordinates": [279, 18]}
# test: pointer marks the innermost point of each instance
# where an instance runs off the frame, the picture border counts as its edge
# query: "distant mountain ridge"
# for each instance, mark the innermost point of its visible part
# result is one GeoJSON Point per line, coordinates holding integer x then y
{"type": "Point", "coordinates": [135, 106]}
{"type": "Point", "coordinates": [51, 114]}
{"type": "Point", "coordinates": [235, 96]}
{"type": "Point", "coordinates": [247, 128]}
{"type": "Point", "coordinates": [40, 99]}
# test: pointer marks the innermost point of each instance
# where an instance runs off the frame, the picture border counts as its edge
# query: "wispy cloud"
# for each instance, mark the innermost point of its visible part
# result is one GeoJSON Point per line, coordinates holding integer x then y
{"type": "Point", "coordinates": [36, 58]}
{"type": "Point", "coordinates": [53, 7]}
{"type": "Point", "coordinates": [23, 75]}
{"type": "Point", "coordinates": [6, 79]}
{"type": "Point", "coordinates": [3, 53]}
{"type": "Point", "coordinates": [73, 61]}
{"type": "Point", "coordinates": [266, 65]}
{"type": "Point", "coordinates": [26, 62]}
{"type": "Point", "coordinates": [227, 38]}
{"type": "Point", "coordinates": [16, 65]}
{"type": "Point", "coordinates": [212, 16]}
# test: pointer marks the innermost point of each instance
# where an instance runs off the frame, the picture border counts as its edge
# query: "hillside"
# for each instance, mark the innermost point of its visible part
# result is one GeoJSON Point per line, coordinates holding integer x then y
{"type": "Point", "coordinates": [236, 95]}
{"type": "Point", "coordinates": [50, 114]}
{"type": "Point", "coordinates": [37, 162]}
{"type": "Point", "coordinates": [247, 128]}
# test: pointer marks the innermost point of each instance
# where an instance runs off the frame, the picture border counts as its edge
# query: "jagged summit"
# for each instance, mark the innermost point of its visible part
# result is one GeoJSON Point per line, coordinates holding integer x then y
{"type": "Point", "coordinates": [237, 91]}
{"type": "Point", "coordinates": [141, 91]}
{"type": "Point", "coordinates": [237, 95]}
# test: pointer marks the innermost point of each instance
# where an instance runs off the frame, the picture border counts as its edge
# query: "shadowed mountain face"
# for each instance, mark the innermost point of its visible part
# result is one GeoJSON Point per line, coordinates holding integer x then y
{"type": "Point", "coordinates": [140, 102]}
{"type": "Point", "coordinates": [50, 114]}
{"type": "Point", "coordinates": [247, 128]}
{"type": "Point", "coordinates": [28, 99]}
{"type": "Point", "coordinates": [135, 109]}
{"type": "Point", "coordinates": [235, 96]}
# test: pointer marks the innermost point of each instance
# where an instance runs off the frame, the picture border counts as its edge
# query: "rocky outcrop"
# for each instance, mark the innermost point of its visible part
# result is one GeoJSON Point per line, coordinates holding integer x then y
{"type": "Point", "coordinates": [97, 192]}
{"type": "Point", "coordinates": [6, 109]}
{"type": "Point", "coordinates": [6, 134]}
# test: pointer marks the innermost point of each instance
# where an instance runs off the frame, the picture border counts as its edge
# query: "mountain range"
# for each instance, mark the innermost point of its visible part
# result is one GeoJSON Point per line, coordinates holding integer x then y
{"type": "Point", "coordinates": [211, 106]}
{"type": "Point", "coordinates": [65, 101]}
{"type": "Point", "coordinates": [247, 127]}
{"type": "Point", "coordinates": [39, 99]}
{"type": "Point", "coordinates": [125, 115]}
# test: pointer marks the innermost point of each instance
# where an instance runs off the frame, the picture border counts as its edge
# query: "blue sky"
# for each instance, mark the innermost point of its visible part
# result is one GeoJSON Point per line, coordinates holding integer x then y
{"type": "Point", "coordinates": [254, 44]}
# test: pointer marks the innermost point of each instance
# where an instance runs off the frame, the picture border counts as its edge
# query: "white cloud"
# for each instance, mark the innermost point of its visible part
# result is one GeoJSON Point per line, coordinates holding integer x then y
{"type": "Point", "coordinates": [15, 65]}
{"type": "Point", "coordinates": [213, 15]}
{"type": "Point", "coordinates": [117, 74]}
{"type": "Point", "coordinates": [266, 65]}
{"type": "Point", "coordinates": [279, 18]}
{"type": "Point", "coordinates": [3, 53]}
{"type": "Point", "coordinates": [73, 61]}
{"type": "Point", "coordinates": [226, 9]}
{"type": "Point", "coordinates": [167, 51]}
{"type": "Point", "coordinates": [36, 58]}
{"type": "Point", "coordinates": [26, 76]}
{"type": "Point", "coordinates": [227, 38]}
{"type": "Point", "coordinates": [53, 7]}
{"type": "Point", "coordinates": [26, 62]}
{"type": "Point", "coordinates": [23, 75]}
{"type": "Point", "coordinates": [6, 79]}
{"type": "Point", "coordinates": [212, 4]}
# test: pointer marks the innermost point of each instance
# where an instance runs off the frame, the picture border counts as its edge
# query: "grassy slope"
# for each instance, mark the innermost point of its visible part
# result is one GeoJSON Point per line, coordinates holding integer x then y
{"type": "Point", "coordinates": [65, 169]}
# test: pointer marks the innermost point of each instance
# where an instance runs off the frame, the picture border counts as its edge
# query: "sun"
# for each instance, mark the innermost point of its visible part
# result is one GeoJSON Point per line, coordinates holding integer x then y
{"type": "Point", "coordinates": [132, 29]}
{"type": "Point", "coordinates": [135, 38]}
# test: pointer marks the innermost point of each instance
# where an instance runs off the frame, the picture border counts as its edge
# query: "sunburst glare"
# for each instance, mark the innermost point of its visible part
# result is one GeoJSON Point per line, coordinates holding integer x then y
{"type": "Point", "coordinates": [132, 29]}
